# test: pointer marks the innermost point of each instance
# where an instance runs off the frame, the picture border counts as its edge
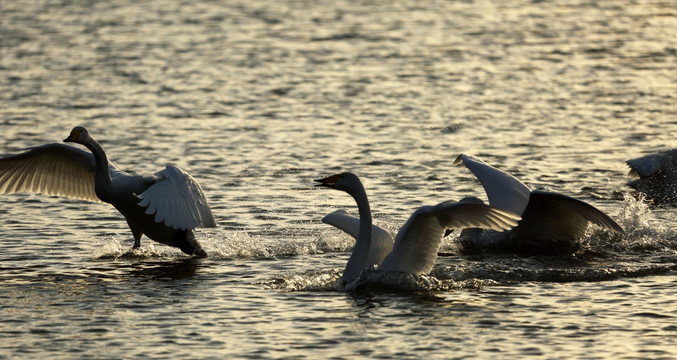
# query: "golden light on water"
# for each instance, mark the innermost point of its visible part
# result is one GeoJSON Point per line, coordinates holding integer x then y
{"type": "Point", "coordinates": [257, 99]}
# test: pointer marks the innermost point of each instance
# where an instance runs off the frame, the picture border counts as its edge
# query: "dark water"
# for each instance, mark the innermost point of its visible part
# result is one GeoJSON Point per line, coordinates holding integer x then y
{"type": "Point", "coordinates": [256, 99]}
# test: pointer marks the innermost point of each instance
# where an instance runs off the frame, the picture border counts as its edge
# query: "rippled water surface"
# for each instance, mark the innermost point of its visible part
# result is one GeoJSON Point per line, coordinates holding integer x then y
{"type": "Point", "coordinates": [256, 99]}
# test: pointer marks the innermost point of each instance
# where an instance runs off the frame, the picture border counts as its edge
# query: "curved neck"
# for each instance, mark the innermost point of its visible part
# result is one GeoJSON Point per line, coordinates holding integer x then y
{"type": "Point", "coordinates": [358, 258]}
{"type": "Point", "coordinates": [101, 171]}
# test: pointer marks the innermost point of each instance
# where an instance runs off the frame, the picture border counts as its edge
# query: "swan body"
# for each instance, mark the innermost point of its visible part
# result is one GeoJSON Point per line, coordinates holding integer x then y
{"type": "Point", "coordinates": [551, 222]}
{"type": "Point", "coordinates": [414, 249]}
{"type": "Point", "coordinates": [655, 175]}
{"type": "Point", "coordinates": [165, 206]}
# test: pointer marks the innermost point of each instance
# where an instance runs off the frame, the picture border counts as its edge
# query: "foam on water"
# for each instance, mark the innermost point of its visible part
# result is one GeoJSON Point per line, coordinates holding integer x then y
{"type": "Point", "coordinates": [309, 281]}
{"type": "Point", "coordinates": [113, 248]}
{"type": "Point", "coordinates": [647, 248]}
{"type": "Point", "coordinates": [644, 230]}
{"type": "Point", "coordinates": [225, 244]}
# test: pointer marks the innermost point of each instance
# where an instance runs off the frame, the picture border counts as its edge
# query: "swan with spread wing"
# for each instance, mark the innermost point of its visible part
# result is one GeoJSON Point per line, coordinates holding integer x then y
{"type": "Point", "coordinates": [165, 206]}
{"type": "Point", "coordinates": [655, 175]}
{"type": "Point", "coordinates": [414, 248]}
{"type": "Point", "coordinates": [551, 222]}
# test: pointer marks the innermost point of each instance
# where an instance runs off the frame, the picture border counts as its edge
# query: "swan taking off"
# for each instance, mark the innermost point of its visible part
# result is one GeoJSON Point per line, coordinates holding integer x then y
{"type": "Point", "coordinates": [166, 206]}
{"type": "Point", "coordinates": [656, 175]}
{"type": "Point", "coordinates": [414, 250]}
{"type": "Point", "coordinates": [551, 222]}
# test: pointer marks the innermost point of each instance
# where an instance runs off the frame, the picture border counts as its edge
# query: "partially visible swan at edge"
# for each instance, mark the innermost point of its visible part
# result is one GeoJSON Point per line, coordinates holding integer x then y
{"type": "Point", "coordinates": [551, 222]}
{"type": "Point", "coordinates": [166, 206]}
{"type": "Point", "coordinates": [656, 175]}
{"type": "Point", "coordinates": [414, 250]}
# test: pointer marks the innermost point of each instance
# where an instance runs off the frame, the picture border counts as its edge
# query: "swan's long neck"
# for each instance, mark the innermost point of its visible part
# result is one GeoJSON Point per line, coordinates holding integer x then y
{"type": "Point", "coordinates": [358, 258]}
{"type": "Point", "coordinates": [102, 179]}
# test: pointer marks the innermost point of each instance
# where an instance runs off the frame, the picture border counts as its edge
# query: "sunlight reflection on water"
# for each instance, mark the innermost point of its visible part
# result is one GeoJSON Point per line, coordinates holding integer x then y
{"type": "Point", "coordinates": [258, 99]}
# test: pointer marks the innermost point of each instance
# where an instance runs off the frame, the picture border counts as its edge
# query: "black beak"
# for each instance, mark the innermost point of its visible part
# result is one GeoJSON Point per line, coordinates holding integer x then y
{"type": "Point", "coordinates": [329, 182]}
{"type": "Point", "coordinates": [322, 184]}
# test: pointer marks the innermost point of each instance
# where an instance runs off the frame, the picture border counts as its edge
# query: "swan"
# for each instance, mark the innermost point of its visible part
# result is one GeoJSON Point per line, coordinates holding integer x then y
{"type": "Point", "coordinates": [165, 206]}
{"type": "Point", "coordinates": [414, 249]}
{"type": "Point", "coordinates": [655, 175]}
{"type": "Point", "coordinates": [551, 222]}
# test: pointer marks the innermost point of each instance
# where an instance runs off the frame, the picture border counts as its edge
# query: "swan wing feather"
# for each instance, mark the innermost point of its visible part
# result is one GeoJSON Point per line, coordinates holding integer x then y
{"type": "Point", "coordinates": [553, 216]}
{"type": "Point", "coordinates": [381, 239]}
{"type": "Point", "coordinates": [177, 199]}
{"type": "Point", "coordinates": [645, 166]}
{"type": "Point", "coordinates": [504, 190]}
{"type": "Point", "coordinates": [51, 169]}
{"type": "Point", "coordinates": [418, 241]}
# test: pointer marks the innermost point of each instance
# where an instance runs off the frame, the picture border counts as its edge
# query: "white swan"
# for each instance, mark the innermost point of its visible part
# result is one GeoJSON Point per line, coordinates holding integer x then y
{"type": "Point", "coordinates": [415, 247]}
{"type": "Point", "coordinates": [166, 206]}
{"type": "Point", "coordinates": [551, 222]}
{"type": "Point", "coordinates": [656, 175]}
{"type": "Point", "coordinates": [381, 243]}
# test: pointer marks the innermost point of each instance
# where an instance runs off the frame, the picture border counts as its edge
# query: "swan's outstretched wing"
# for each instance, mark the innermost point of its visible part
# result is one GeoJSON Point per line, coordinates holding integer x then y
{"type": "Point", "coordinates": [52, 169]}
{"type": "Point", "coordinates": [177, 200]}
{"type": "Point", "coordinates": [417, 242]}
{"type": "Point", "coordinates": [504, 190]}
{"type": "Point", "coordinates": [645, 166]}
{"type": "Point", "coordinates": [552, 216]}
{"type": "Point", "coordinates": [381, 240]}
{"type": "Point", "coordinates": [649, 165]}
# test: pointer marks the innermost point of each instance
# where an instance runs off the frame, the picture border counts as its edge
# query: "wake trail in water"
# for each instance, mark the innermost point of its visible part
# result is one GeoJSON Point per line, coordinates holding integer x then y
{"type": "Point", "coordinates": [647, 248]}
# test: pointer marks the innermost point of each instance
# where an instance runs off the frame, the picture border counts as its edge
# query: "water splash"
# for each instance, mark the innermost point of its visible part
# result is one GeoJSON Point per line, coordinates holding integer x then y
{"type": "Point", "coordinates": [227, 244]}
{"type": "Point", "coordinates": [372, 281]}
{"type": "Point", "coordinates": [235, 245]}
{"type": "Point", "coordinates": [311, 281]}
{"type": "Point", "coordinates": [112, 248]}
{"type": "Point", "coordinates": [644, 231]}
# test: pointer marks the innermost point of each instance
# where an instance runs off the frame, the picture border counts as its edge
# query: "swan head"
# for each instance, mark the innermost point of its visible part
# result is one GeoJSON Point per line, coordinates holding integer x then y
{"type": "Point", "coordinates": [79, 134]}
{"type": "Point", "coordinates": [346, 181]}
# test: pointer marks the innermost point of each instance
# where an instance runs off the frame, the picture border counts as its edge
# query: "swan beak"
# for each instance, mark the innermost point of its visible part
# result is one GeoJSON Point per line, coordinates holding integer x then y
{"type": "Point", "coordinates": [73, 136]}
{"type": "Point", "coordinates": [329, 182]}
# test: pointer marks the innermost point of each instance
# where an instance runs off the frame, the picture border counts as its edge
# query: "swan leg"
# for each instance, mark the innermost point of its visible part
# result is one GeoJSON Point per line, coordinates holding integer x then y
{"type": "Point", "coordinates": [137, 239]}
{"type": "Point", "coordinates": [137, 233]}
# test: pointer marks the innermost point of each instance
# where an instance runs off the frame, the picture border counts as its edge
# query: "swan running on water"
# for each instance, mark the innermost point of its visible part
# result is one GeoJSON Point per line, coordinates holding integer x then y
{"type": "Point", "coordinates": [656, 175]}
{"type": "Point", "coordinates": [414, 250]}
{"type": "Point", "coordinates": [551, 222]}
{"type": "Point", "coordinates": [166, 206]}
